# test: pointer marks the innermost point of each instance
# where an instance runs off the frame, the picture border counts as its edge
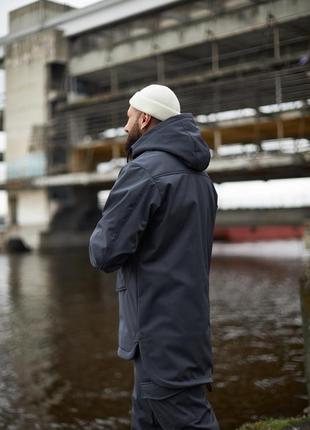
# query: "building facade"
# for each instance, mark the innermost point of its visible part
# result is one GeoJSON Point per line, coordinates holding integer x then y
{"type": "Point", "coordinates": [241, 67]}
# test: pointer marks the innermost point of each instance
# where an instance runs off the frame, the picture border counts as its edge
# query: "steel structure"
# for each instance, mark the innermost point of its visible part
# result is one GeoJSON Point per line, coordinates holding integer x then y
{"type": "Point", "coordinates": [242, 67]}
{"type": "Point", "coordinates": [219, 56]}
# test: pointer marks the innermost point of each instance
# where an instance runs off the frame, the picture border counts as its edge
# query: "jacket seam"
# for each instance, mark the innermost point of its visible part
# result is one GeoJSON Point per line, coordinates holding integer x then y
{"type": "Point", "coordinates": [137, 333]}
{"type": "Point", "coordinates": [149, 175]}
{"type": "Point", "coordinates": [126, 350]}
{"type": "Point", "coordinates": [179, 172]}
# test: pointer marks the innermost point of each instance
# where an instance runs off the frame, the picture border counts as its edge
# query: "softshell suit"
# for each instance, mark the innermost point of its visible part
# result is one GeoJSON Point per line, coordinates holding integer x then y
{"type": "Point", "coordinates": [156, 230]}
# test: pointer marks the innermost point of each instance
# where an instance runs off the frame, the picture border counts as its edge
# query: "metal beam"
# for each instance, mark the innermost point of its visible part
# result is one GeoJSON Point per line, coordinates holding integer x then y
{"type": "Point", "coordinates": [200, 77]}
{"type": "Point", "coordinates": [262, 166]}
{"type": "Point", "coordinates": [104, 12]}
{"type": "Point", "coordinates": [266, 216]}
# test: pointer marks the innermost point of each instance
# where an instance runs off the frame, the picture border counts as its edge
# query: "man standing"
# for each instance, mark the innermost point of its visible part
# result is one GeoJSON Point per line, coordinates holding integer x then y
{"type": "Point", "coordinates": [157, 230]}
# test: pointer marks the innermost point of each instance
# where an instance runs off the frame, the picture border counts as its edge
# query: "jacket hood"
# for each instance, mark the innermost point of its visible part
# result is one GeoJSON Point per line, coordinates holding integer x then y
{"type": "Point", "coordinates": [179, 136]}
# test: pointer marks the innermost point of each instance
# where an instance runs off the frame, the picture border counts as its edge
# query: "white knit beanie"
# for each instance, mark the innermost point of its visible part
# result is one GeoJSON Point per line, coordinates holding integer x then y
{"type": "Point", "coordinates": [156, 100]}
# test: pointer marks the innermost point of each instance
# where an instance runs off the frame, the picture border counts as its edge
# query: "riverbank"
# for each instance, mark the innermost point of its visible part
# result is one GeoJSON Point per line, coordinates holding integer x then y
{"type": "Point", "coordinates": [302, 423]}
{"type": "Point", "coordinates": [66, 375]}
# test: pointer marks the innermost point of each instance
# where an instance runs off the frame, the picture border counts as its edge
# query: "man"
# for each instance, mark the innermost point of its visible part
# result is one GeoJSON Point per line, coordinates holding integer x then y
{"type": "Point", "coordinates": [156, 230]}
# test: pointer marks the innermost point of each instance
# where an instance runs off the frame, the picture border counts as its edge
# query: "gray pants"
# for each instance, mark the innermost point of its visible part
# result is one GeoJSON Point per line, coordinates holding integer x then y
{"type": "Point", "coordinates": [155, 407]}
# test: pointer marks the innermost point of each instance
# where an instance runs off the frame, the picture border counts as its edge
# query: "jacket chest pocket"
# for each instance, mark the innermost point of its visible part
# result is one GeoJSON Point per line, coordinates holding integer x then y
{"type": "Point", "coordinates": [120, 281]}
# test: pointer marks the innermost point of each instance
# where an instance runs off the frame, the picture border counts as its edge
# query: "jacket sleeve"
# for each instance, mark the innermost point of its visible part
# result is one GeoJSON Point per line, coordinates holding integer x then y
{"type": "Point", "coordinates": [131, 202]}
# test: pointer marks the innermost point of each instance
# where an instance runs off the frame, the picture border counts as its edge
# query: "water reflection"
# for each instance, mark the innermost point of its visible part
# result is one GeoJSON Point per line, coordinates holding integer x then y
{"type": "Point", "coordinates": [305, 310]}
{"type": "Point", "coordinates": [58, 334]}
{"type": "Point", "coordinates": [258, 338]}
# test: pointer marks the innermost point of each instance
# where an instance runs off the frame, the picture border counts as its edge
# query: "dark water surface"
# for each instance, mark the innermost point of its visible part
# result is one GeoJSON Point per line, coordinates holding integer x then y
{"type": "Point", "coordinates": [58, 334]}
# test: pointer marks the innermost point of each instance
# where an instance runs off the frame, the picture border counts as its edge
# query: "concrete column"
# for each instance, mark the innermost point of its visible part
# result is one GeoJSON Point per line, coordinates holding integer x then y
{"type": "Point", "coordinates": [217, 140]}
{"type": "Point", "coordinates": [276, 43]}
{"type": "Point", "coordinates": [257, 136]}
{"type": "Point", "coordinates": [114, 80]}
{"type": "Point", "coordinates": [160, 62]}
{"type": "Point", "coordinates": [302, 126]}
{"type": "Point", "coordinates": [307, 233]}
{"type": "Point", "coordinates": [280, 129]}
{"type": "Point", "coordinates": [13, 209]}
{"type": "Point", "coordinates": [216, 99]}
{"type": "Point", "coordinates": [278, 88]}
{"type": "Point", "coordinates": [278, 95]}
{"type": "Point", "coordinates": [215, 56]}
{"type": "Point", "coordinates": [278, 84]}
{"type": "Point", "coordinates": [76, 128]}
{"type": "Point", "coordinates": [74, 220]}
{"type": "Point", "coordinates": [114, 85]}
{"type": "Point", "coordinates": [116, 152]}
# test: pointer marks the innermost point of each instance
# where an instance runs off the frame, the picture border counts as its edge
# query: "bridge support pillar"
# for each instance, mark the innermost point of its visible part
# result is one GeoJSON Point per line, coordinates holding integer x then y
{"type": "Point", "coordinates": [74, 220]}
{"type": "Point", "coordinates": [307, 234]}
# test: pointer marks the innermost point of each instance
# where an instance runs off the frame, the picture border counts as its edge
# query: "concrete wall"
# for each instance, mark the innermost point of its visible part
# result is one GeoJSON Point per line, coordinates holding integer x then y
{"type": "Point", "coordinates": [35, 13]}
{"type": "Point", "coordinates": [196, 30]}
{"type": "Point", "coordinates": [26, 88]}
{"type": "Point", "coordinates": [27, 111]}
{"type": "Point", "coordinates": [32, 208]}
{"type": "Point", "coordinates": [32, 216]}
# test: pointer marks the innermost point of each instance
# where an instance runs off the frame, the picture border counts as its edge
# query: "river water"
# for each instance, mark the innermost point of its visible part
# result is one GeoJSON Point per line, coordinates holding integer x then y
{"type": "Point", "coordinates": [58, 334]}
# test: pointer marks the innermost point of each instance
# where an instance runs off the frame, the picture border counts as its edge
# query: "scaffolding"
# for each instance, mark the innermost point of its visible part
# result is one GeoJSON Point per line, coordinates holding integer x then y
{"type": "Point", "coordinates": [259, 78]}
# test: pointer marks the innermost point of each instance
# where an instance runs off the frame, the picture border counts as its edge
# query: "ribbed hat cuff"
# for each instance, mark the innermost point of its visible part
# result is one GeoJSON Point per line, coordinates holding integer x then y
{"type": "Point", "coordinates": [152, 107]}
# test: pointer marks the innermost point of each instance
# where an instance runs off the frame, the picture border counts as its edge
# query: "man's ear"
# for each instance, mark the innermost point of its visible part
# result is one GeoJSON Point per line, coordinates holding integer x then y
{"type": "Point", "coordinates": [145, 120]}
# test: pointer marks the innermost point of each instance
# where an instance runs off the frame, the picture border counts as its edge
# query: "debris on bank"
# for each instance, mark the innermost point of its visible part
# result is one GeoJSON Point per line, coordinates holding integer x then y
{"type": "Point", "coordinates": [16, 246]}
{"type": "Point", "coordinates": [279, 424]}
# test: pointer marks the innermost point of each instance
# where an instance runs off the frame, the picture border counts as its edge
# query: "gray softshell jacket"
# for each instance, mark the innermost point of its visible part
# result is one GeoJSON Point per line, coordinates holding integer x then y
{"type": "Point", "coordinates": [156, 230]}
